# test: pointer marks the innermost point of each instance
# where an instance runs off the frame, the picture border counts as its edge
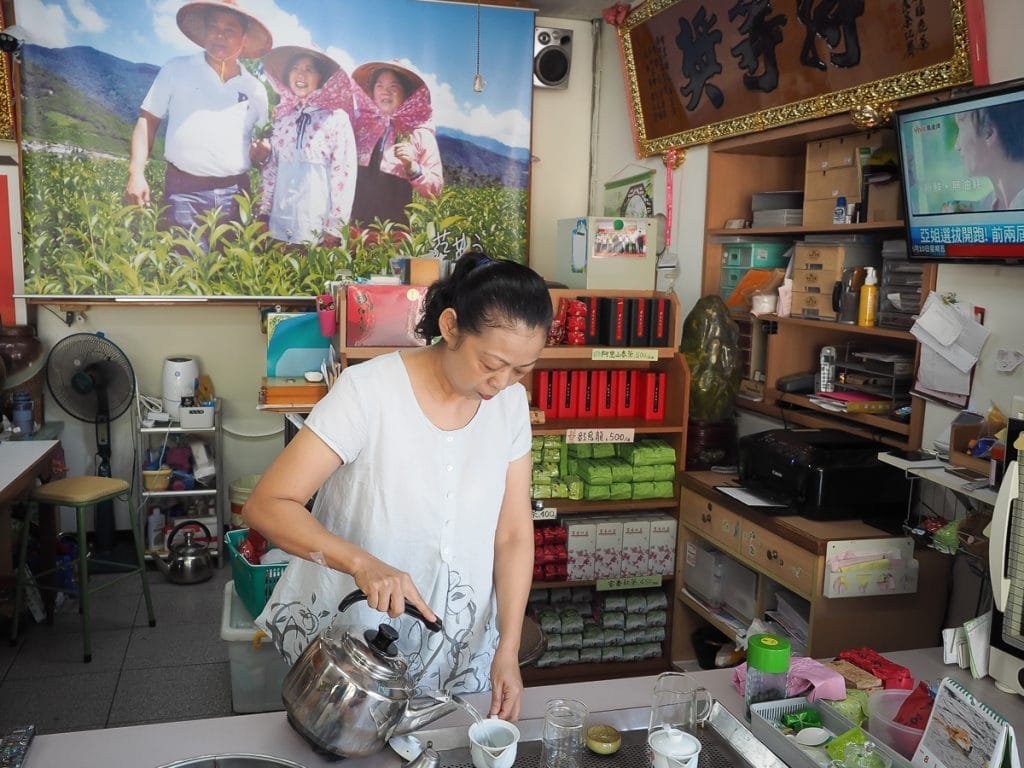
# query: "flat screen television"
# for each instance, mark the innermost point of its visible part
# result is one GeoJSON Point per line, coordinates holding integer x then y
{"type": "Point", "coordinates": [962, 165]}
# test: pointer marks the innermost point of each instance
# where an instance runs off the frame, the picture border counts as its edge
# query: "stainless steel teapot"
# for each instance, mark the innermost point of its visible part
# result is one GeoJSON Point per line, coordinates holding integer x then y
{"type": "Point", "coordinates": [190, 562]}
{"type": "Point", "coordinates": [348, 694]}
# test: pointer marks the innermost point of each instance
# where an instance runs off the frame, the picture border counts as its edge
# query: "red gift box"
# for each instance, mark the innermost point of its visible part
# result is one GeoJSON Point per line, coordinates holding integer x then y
{"type": "Point", "coordinates": [383, 315]}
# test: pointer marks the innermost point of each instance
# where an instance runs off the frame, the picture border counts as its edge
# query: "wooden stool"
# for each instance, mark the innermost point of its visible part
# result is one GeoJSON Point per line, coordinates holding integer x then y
{"type": "Point", "coordinates": [81, 493]}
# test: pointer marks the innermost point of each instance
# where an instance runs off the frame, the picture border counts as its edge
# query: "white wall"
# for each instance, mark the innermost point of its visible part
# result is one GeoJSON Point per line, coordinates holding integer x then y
{"type": "Point", "coordinates": [561, 147]}
{"type": "Point", "coordinates": [227, 343]}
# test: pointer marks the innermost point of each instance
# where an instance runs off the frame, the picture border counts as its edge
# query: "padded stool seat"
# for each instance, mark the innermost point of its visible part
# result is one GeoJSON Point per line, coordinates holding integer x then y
{"type": "Point", "coordinates": [81, 493]}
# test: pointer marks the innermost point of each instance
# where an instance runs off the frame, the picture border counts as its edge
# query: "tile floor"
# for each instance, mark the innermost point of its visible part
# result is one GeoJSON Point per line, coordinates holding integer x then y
{"type": "Point", "coordinates": [177, 670]}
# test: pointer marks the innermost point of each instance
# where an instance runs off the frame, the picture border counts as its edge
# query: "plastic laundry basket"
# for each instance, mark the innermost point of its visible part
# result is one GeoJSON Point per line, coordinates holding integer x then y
{"type": "Point", "coordinates": [238, 494]}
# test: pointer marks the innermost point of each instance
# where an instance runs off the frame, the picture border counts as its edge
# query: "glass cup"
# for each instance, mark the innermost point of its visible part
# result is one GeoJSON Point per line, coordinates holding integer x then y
{"type": "Point", "coordinates": [562, 738]}
{"type": "Point", "coordinates": [866, 755]}
{"type": "Point", "coordinates": [678, 703]}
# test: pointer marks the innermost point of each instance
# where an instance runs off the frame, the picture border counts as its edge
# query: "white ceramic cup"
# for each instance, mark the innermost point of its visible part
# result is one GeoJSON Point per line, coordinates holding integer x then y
{"type": "Point", "coordinates": [493, 743]}
{"type": "Point", "coordinates": [673, 748]}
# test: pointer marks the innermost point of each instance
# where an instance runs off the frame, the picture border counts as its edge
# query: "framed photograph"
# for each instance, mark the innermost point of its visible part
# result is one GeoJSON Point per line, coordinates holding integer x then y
{"type": "Point", "coordinates": [698, 72]}
{"type": "Point", "coordinates": [262, 148]}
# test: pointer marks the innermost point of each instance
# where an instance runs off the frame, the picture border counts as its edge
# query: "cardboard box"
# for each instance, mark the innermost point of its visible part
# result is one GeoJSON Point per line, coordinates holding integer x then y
{"type": "Point", "coordinates": [636, 541]}
{"type": "Point", "coordinates": [581, 548]}
{"type": "Point", "coordinates": [420, 271]}
{"type": "Point", "coordinates": [883, 201]}
{"type": "Point", "coordinates": [960, 436]}
{"type": "Point", "coordinates": [833, 168]}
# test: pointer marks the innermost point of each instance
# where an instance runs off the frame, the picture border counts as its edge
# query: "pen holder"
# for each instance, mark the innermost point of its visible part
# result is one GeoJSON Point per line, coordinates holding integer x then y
{"type": "Point", "coordinates": [327, 315]}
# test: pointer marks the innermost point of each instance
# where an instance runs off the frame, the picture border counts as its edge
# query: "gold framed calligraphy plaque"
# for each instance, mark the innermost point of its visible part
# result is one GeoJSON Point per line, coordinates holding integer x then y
{"type": "Point", "coordinates": [698, 72]}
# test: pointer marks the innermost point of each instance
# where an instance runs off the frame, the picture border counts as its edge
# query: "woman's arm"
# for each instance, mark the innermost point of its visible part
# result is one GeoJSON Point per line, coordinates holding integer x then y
{"type": "Point", "coordinates": [276, 508]}
{"type": "Point", "coordinates": [341, 172]}
{"type": "Point", "coordinates": [430, 180]}
{"type": "Point", "coordinates": [513, 577]}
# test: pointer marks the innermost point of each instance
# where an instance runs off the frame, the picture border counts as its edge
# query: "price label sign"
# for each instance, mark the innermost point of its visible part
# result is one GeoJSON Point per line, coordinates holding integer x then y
{"type": "Point", "coordinates": [628, 354]}
{"type": "Point", "coordinates": [628, 582]}
{"type": "Point", "coordinates": [547, 513]}
{"type": "Point", "coordinates": [600, 435]}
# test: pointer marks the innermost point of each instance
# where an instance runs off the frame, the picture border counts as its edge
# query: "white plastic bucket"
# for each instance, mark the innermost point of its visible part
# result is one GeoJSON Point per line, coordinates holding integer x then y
{"type": "Point", "coordinates": [238, 494]}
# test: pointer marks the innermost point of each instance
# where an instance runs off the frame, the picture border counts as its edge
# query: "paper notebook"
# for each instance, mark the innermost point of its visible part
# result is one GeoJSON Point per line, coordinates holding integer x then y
{"type": "Point", "coordinates": [962, 732]}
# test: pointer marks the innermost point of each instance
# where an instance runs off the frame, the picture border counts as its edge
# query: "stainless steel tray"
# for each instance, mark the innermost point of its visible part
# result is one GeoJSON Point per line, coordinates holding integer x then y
{"type": "Point", "coordinates": [725, 743]}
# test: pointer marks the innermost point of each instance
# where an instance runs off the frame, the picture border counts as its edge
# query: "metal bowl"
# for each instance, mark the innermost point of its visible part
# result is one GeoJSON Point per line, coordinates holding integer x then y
{"type": "Point", "coordinates": [233, 760]}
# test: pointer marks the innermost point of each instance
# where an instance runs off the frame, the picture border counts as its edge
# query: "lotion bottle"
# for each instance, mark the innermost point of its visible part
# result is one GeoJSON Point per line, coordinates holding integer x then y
{"type": "Point", "coordinates": [868, 299]}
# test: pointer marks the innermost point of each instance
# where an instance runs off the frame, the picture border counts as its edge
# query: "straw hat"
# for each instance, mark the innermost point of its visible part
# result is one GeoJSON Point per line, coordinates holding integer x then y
{"type": "Point", "coordinates": [275, 62]}
{"type": "Point", "coordinates": [363, 75]}
{"type": "Point", "coordinates": [192, 21]}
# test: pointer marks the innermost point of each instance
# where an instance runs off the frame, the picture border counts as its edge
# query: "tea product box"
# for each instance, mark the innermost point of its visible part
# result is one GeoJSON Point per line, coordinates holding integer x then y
{"type": "Point", "coordinates": [661, 557]}
{"type": "Point", "coordinates": [636, 540]}
{"type": "Point", "coordinates": [608, 549]}
{"type": "Point", "coordinates": [581, 548]}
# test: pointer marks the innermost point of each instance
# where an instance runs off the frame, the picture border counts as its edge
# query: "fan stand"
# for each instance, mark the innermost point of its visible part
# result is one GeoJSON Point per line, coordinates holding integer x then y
{"type": "Point", "coordinates": [105, 544]}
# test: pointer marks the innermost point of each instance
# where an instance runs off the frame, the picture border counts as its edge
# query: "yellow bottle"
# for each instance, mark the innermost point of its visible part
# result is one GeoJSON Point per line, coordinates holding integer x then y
{"type": "Point", "coordinates": [868, 299]}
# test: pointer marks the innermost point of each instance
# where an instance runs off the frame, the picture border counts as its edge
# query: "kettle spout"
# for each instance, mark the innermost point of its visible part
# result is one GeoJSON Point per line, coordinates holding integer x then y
{"type": "Point", "coordinates": [419, 714]}
{"type": "Point", "coordinates": [162, 565]}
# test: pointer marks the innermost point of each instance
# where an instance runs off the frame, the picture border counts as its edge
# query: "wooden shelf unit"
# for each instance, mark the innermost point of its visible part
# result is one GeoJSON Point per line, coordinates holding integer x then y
{"type": "Point", "coordinates": [775, 160]}
{"type": "Point", "coordinates": [672, 429]}
{"type": "Point", "coordinates": [789, 551]}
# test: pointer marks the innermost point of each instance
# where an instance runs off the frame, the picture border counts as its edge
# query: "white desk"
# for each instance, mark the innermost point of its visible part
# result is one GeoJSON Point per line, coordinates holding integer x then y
{"type": "Point", "coordinates": [20, 462]}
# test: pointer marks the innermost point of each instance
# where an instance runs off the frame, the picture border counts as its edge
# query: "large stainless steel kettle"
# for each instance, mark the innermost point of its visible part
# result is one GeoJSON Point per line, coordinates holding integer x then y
{"type": "Point", "coordinates": [190, 562]}
{"type": "Point", "coordinates": [347, 694]}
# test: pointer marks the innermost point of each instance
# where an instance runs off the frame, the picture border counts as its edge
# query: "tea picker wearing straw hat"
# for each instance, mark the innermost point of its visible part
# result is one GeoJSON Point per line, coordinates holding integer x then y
{"type": "Point", "coordinates": [309, 181]}
{"type": "Point", "coordinates": [211, 104]}
{"type": "Point", "coordinates": [398, 151]}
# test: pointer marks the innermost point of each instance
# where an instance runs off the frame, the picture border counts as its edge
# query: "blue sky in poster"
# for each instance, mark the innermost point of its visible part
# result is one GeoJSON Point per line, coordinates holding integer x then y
{"type": "Point", "coordinates": [442, 46]}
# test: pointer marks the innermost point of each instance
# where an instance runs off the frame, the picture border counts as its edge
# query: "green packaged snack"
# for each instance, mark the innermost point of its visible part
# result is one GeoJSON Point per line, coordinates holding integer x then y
{"type": "Point", "coordinates": [594, 473]}
{"type": "Point", "coordinates": [575, 487]}
{"type": "Point", "coordinates": [535, 454]}
{"type": "Point", "coordinates": [621, 471]}
{"type": "Point", "coordinates": [805, 718]}
{"type": "Point", "coordinates": [596, 492]}
{"type": "Point", "coordinates": [644, 474]}
{"type": "Point", "coordinates": [663, 489]}
{"type": "Point", "coordinates": [604, 450]}
{"type": "Point", "coordinates": [540, 491]}
{"type": "Point", "coordinates": [648, 452]}
{"type": "Point", "coordinates": [663, 472]}
{"type": "Point", "coordinates": [582, 450]}
{"type": "Point", "coordinates": [550, 468]}
{"type": "Point", "coordinates": [559, 489]}
{"type": "Point", "coordinates": [643, 491]}
{"type": "Point", "coordinates": [536, 442]}
{"type": "Point", "coordinates": [552, 440]}
{"type": "Point", "coordinates": [551, 453]}
{"type": "Point", "coordinates": [572, 466]}
{"type": "Point", "coordinates": [540, 477]}
{"type": "Point", "coordinates": [854, 707]}
{"type": "Point", "coordinates": [620, 491]}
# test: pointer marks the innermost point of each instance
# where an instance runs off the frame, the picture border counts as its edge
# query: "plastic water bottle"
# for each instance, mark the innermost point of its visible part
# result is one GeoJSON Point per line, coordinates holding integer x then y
{"type": "Point", "coordinates": [767, 669]}
{"type": "Point", "coordinates": [21, 412]}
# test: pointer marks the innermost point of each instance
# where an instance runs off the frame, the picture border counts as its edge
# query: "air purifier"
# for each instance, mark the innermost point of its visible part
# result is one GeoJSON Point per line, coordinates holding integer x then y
{"type": "Point", "coordinates": [179, 380]}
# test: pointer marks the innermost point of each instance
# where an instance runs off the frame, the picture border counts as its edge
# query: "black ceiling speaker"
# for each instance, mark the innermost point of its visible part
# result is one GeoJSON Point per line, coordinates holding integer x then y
{"type": "Point", "coordinates": [552, 54]}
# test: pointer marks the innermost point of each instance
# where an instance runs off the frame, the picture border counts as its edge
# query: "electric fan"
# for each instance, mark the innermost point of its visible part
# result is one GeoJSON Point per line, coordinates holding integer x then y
{"type": "Point", "coordinates": [90, 378]}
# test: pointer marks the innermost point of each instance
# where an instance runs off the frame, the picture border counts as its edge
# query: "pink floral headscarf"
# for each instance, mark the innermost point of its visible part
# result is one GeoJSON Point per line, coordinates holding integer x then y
{"type": "Point", "coordinates": [335, 93]}
{"type": "Point", "coordinates": [370, 123]}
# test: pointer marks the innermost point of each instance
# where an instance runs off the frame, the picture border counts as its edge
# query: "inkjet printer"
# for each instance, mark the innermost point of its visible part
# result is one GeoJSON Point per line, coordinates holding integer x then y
{"type": "Point", "coordinates": [824, 474]}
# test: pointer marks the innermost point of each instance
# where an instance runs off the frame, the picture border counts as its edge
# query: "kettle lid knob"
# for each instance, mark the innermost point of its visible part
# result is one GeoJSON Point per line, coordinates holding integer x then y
{"type": "Point", "coordinates": [383, 640]}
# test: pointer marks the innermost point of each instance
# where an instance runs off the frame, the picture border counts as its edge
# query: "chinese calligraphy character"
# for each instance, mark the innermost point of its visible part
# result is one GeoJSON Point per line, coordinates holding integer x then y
{"type": "Point", "coordinates": [700, 63]}
{"type": "Point", "coordinates": [835, 21]}
{"type": "Point", "coordinates": [762, 36]}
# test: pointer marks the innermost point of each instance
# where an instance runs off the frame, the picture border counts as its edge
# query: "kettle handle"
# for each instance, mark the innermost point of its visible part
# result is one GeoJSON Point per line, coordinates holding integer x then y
{"type": "Point", "coordinates": [183, 524]}
{"type": "Point", "coordinates": [355, 596]}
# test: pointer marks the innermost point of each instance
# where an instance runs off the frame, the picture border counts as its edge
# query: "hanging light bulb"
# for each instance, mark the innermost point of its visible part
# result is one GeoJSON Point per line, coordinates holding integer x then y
{"type": "Point", "coordinates": [478, 79]}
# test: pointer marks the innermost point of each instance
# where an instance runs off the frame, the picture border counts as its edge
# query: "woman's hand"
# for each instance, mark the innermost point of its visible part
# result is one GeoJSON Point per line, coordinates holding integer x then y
{"type": "Point", "coordinates": [506, 685]}
{"type": "Point", "coordinates": [259, 151]}
{"type": "Point", "coordinates": [387, 589]}
{"type": "Point", "coordinates": [407, 154]}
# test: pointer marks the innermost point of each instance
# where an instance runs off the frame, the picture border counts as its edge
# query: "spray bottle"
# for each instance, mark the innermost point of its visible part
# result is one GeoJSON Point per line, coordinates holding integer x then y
{"type": "Point", "coordinates": [868, 299]}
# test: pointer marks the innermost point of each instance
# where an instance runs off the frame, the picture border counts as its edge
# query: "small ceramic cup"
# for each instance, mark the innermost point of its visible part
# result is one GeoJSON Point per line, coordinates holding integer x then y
{"type": "Point", "coordinates": [492, 743]}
